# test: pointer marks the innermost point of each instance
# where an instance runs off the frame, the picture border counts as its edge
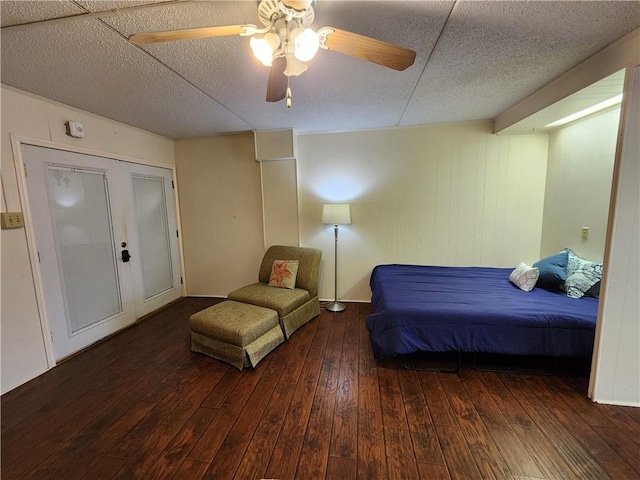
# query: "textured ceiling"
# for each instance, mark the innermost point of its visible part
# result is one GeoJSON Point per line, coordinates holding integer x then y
{"type": "Point", "coordinates": [474, 60]}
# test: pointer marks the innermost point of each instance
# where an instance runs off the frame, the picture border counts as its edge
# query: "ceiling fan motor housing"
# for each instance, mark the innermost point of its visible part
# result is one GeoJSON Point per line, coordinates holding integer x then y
{"type": "Point", "coordinates": [271, 10]}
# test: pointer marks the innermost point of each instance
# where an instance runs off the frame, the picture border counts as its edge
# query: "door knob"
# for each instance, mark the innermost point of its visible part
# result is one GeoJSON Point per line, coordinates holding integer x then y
{"type": "Point", "coordinates": [125, 256]}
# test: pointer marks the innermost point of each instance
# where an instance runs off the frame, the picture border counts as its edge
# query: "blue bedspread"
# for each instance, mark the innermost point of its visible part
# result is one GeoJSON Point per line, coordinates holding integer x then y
{"type": "Point", "coordinates": [474, 309]}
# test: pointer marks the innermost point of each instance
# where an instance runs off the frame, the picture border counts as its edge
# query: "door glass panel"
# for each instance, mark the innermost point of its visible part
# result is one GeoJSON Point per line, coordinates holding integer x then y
{"type": "Point", "coordinates": [153, 234]}
{"type": "Point", "coordinates": [82, 223]}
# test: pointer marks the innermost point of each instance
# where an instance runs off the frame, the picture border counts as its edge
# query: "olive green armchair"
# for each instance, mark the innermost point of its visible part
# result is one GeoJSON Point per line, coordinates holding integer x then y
{"type": "Point", "coordinates": [296, 306]}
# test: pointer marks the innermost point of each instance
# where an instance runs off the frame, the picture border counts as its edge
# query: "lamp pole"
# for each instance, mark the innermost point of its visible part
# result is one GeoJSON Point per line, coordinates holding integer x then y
{"type": "Point", "coordinates": [335, 306]}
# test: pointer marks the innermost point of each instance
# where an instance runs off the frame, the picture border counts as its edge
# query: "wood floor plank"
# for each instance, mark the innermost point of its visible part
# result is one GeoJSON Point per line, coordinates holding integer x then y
{"type": "Point", "coordinates": [230, 453]}
{"type": "Point", "coordinates": [632, 412]}
{"type": "Point", "coordinates": [168, 396]}
{"type": "Point", "coordinates": [504, 399]}
{"type": "Point", "coordinates": [74, 446]}
{"type": "Point", "coordinates": [401, 462]}
{"type": "Point", "coordinates": [255, 460]}
{"type": "Point", "coordinates": [166, 464]}
{"type": "Point", "coordinates": [104, 469]}
{"type": "Point", "coordinates": [429, 471]}
{"type": "Point", "coordinates": [590, 412]}
{"type": "Point", "coordinates": [209, 442]}
{"type": "Point", "coordinates": [344, 434]}
{"type": "Point", "coordinates": [393, 414]}
{"type": "Point", "coordinates": [27, 454]}
{"type": "Point", "coordinates": [624, 448]}
{"type": "Point", "coordinates": [441, 413]}
{"type": "Point", "coordinates": [549, 460]}
{"type": "Point", "coordinates": [225, 386]}
{"type": "Point", "coordinates": [619, 417]}
{"type": "Point", "coordinates": [314, 455]}
{"type": "Point", "coordinates": [190, 470]}
{"type": "Point", "coordinates": [341, 468]}
{"type": "Point", "coordinates": [423, 434]}
{"type": "Point", "coordinates": [151, 449]}
{"type": "Point", "coordinates": [285, 455]}
{"type": "Point", "coordinates": [572, 451]}
{"type": "Point", "coordinates": [485, 453]}
{"type": "Point", "coordinates": [77, 466]}
{"type": "Point", "coordinates": [514, 453]}
{"type": "Point", "coordinates": [592, 438]}
{"type": "Point", "coordinates": [142, 405]}
{"type": "Point", "coordinates": [328, 378]}
{"type": "Point", "coordinates": [459, 459]}
{"type": "Point", "coordinates": [278, 404]}
{"type": "Point", "coordinates": [372, 463]}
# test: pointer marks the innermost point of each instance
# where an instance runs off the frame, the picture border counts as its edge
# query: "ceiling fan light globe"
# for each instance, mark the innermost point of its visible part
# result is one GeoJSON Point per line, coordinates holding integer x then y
{"type": "Point", "coordinates": [294, 66]}
{"type": "Point", "coordinates": [264, 47]}
{"type": "Point", "coordinates": [306, 45]}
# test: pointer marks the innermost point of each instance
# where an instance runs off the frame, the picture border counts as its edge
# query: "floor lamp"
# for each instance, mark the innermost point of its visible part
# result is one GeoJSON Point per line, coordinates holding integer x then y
{"type": "Point", "coordinates": [336, 214]}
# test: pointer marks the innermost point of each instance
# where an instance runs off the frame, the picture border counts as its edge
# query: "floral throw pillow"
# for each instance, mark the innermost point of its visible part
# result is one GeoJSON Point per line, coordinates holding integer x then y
{"type": "Point", "coordinates": [581, 275]}
{"type": "Point", "coordinates": [283, 273]}
{"type": "Point", "coordinates": [524, 277]}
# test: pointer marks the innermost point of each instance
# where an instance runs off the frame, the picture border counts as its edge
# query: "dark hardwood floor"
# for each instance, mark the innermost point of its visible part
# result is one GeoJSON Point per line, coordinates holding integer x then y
{"type": "Point", "coordinates": [141, 405]}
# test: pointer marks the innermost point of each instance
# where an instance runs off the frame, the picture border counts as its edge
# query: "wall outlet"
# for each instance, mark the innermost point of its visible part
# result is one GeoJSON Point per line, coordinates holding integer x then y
{"type": "Point", "coordinates": [585, 233]}
{"type": "Point", "coordinates": [11, 220]}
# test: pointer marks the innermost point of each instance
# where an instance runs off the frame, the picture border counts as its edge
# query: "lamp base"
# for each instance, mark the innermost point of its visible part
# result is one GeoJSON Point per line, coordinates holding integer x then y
{"type": "Point", "coordinates": [335, 307]}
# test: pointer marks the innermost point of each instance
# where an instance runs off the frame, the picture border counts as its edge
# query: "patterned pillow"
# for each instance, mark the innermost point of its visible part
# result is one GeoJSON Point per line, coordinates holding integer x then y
{"type": "Point", "coordinates": [581, 275]}
{"type": "Point", "coordinates": [283, 273]}
{"type": "Point", "coordinates": [524, 276]}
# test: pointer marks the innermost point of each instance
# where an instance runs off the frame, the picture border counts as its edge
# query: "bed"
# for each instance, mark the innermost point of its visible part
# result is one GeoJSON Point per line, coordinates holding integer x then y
{"type": "Point", "coordinates": [420, 308]}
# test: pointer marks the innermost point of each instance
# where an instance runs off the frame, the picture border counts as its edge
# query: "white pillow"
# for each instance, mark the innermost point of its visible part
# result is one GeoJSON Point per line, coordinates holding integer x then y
{"type": "Point", "coordinates": [524, 277]}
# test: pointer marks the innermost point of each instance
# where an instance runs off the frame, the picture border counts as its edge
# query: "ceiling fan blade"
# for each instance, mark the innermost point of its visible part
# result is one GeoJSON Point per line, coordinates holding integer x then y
{"type": "Point", "coordinates": [369, 49]}
{"type": "Point", "coordinates": [277, 83]}
{"type": "Point", "coordinates": [170, 35]}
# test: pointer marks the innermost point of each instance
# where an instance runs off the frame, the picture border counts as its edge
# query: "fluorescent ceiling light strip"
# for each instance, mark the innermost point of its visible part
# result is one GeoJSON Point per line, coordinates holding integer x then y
{"type": "Point", "coordinates": [587, 111]}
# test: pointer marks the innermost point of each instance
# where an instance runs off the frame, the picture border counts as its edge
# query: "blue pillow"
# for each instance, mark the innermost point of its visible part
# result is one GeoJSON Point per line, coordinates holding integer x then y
{"type": "Point", "coordinates": [553, 270]}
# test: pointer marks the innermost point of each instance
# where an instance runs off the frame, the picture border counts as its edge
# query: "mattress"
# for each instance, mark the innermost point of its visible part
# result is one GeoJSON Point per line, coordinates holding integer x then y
{"type": "Point", "coordinates": [419, 308]}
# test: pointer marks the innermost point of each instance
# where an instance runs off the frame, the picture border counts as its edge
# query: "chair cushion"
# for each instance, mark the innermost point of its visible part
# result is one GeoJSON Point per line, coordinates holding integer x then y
{"type": "Point", "coordinates": [282, 300]}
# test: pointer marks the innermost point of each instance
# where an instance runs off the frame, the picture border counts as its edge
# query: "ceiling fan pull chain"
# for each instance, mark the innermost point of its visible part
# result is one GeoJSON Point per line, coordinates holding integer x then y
{"type": "Point", "coordinates": [288, 95]}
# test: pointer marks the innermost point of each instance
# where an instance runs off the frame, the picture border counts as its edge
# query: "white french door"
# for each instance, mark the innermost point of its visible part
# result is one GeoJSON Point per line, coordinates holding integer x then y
{"type": "Point", "coordinates": [106, 238]}
{"type": "Point", "coordinates": [153, 237]}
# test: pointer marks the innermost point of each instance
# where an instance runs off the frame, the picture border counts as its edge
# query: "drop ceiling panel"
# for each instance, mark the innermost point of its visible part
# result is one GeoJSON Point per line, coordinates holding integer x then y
{"type": "Point", "coordinates": [104, 5]}
{"type": "Point", "coordinates": [18, 12]}
{"type": "Point", "coordinates": [125, 84]}
{"type": "Point", "coordinates": [494, 54]}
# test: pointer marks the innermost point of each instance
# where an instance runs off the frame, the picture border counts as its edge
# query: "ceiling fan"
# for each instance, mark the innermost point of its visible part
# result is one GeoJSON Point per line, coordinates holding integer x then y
{"type": "Point", "coordinates": [286, 42]}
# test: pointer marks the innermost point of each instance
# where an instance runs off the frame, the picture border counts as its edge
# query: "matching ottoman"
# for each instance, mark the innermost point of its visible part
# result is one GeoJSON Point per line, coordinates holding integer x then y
{"type": "Point", "coordinates": [237, 333]}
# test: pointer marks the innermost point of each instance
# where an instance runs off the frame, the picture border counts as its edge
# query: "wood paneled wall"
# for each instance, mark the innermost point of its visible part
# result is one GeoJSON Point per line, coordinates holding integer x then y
{"type": "Point", "coordinates": [452, 194]}
{"type": "Point", "coordinates": [578, 185]}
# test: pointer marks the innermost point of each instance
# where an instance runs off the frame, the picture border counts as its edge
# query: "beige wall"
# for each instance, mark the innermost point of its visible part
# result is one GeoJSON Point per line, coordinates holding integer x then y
{"type": "Point", "coordinates": [447, 194]}
{"type": "Point", "coordinates": [578, 187]}
{"type": "Point", "coordinates": [280, 202]}
{"type": "Point", "coordinates": [28, 116]}
{"type": "Point", "coordinates": [221, 212]}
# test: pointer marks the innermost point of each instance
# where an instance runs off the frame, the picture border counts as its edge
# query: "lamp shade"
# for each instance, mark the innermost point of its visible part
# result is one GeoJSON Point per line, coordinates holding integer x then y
{"type": "Point", "coordinates": [336, 213]}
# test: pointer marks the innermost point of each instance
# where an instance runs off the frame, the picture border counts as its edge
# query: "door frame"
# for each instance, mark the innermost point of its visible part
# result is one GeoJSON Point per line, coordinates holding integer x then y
{"type": "Point", "coordinates": [16, 145]}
